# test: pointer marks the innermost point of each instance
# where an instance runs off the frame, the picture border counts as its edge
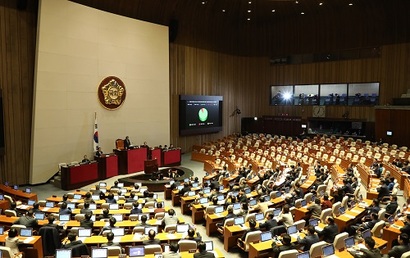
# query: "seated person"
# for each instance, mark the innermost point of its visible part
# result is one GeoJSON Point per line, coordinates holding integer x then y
{"type": "Point", "coordinates": [286, 245]}
{"type": "Point", "coordinates": [87, 222]}
{"type": "Point", "coordinates": [110, 199]}
{"type": "Point", "coordinates": [51, 220]}
{"type": "Point", "coordinates": [64, 209]}
{"type": "Point", "coordinates": [72, 237]}
{"type": "Point", "coordinates": [202, 253]}
{"type": "Point", "coordinates": [315, 209]}
{"type": "Point", "coordinates": [115, 186]}
{"type": "Point", "coordinates": [368, 252]}
{"type": "Point", "coordinates": [86, 209]}
{"type": "Point", "coordinates": [159, 208]}
{"type": "Point", "coordinates": [230, 215]}
{"type": "Point", "coordinates": [173, 251]}
{"type": "Point", "coordinates": [402, 247]}
{"type": "Point", "coordinates": [191, 235]}
{"type": "Point", "coordinates": [12, 241]}
{"type": "Point", "coordinates": [28, 220]}
{"type": "Point", "coordinates": [130, 199]}
{"type": "Point", "coordinates": [36, 208]}
{"type": "Point", "coordinates": [252, 227]}
{"type": "Point", "coordinates": [144, 219]}
{"type": "Point", "coordinates": [136, 208]}
{"type": "Point", "coordinates": [269, 223]}
{"type": "Point", "coordinates": [329, 231]}
{"type": "Point", "coordinates": [97, 190]}
{"type": "Point", "coordinates": [285, 217]}
{"type": "Point", "coordinates": [151, 239]}
{"type": "Point", "coordinates": [392, 206]}
{"type": "Point", "coordinates": [170, 218]}
{"type": "Point", "coordinates": [105, 215]}
{"type": "Point", "coordinates": [85, 160]}
{"type": "Point", "coordinates": [310, 238]}
{"type": "Point", "coordinates": [365, 225]}
{"type": "Point", "coordinates": [109, 227]}
{"type": "Point", "coordinates": [110, 238]}
{"type": "Point", "coordinates": [88, 198]}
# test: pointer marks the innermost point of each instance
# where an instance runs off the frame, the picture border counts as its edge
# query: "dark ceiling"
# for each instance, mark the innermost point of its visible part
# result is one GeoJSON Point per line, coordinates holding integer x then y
{"type": "Point", "coordinates": [238, 23]}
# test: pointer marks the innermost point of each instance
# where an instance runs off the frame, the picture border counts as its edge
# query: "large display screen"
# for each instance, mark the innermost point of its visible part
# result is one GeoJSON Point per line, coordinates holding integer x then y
{"type": "Point", "coordinates": [200, 114]}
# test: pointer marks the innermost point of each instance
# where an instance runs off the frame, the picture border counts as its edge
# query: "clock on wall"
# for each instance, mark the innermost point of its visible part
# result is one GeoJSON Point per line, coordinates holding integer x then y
{"type": "Point", "coordinates": [319, 111]}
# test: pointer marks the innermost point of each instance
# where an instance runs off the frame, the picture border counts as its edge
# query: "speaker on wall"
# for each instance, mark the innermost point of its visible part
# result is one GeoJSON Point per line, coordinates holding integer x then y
{"type": "Point", "coordinates": [2, 144]}
{"type": "Point", "coordinates": [173, 30]}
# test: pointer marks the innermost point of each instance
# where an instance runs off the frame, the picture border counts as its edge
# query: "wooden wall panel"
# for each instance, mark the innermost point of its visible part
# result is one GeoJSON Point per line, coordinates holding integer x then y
{"type": "Point", "coordinates": [17, 52]}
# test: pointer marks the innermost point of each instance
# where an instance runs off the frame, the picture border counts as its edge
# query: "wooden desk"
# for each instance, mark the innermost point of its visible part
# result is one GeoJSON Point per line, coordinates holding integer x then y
{"type": "Point", "coordinates": [18, 194]}
{"type": "Point", "coordinates": [231, 235]}
{"type": "Point", "coordinates": [300, 213]}
{"type": "Point", "coordinates": [211, 221]}
{"type": "Point", "coordinates": [175, 198]}
{"type": "Point", "coordinates": [380, 243]}
{"type": "Point", "coordinates": [167, 192]}
{"type": "Point", "coordinates": [34, 243]}
{"type": "Point", "coordinates": [8, 221]}
{"type": "Point", "coordinates": [392, 232]}
{"type": "Point", "coordinates": [185, 202]}
{"type": "Point", "coordinates": [350, 216]}
{"type": "Point", "coordinates": [308, 184]}
{"type": "Point", "coordinates": [198, 212]}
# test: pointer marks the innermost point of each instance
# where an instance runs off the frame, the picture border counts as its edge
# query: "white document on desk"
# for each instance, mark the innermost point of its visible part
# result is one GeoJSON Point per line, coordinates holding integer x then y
{"type": "Point", "coordinates": [349, 216]}
{"type": "Point", "coordinates": [28, 240]}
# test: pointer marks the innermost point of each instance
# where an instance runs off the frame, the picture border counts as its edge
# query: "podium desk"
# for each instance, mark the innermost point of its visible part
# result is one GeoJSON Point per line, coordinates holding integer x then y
{"type": "Point", "coordinates": [308, 184]}
{"type": "Point", "coordinates": [171, 157]}
{"type": "Point", "coordinates": [130, 161]}
{"type": "Point", "coordinates": [157, 154]}
{"type": "Point", "coordinates": [31, 246]}
{"type": "Point", "coordinates": [77, 176]}
{"type": "Point", "coordinates": [167, 192]}
{"type": "Point", "coordinates": [175, 198]}
{"type": "Point", "coordinates": [18, 194]}
{"type": "Point", "coordinates": [198, 212]}
{"type": "Point", "coordinates": [107, 166]}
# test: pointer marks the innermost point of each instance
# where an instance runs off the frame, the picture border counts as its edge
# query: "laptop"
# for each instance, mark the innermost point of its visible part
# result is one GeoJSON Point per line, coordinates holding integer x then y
{"type": "Point", "coordinates": [209, 245]}
{"type": "Point", "coordinates": [276, 212]}
{"type": "Point", "coordinates": [259, 217]}
{"type": "Point", "coordinates": [29, 202]}
{"type": "Point", "coordinates": [120, 185]}
{"type": "Point", "coordinates": [247, 190]}
{"type": "Point", "coordinates": [95, 197]}
{"type": "Point", "coordinates": [303, 255]}
{"type": "Point", "coordinates": [28, 190]}
{"type": "Point", "coordinates": [342, 210]}
{"type": "Point", "coordinates": [314, 222]}
{"type": "Point", "coordinates": [349, 242]}
{"type": "Point", "coordinates": [39, 215]}
{"type": "Point", "coordinates": [293, 231]}
{"type": "Point", "coordinates": [329, 251]}
{"type": "Point", "coordinates": [278, 194]}
{"type": "Point", "coordinates": [207, 190]}
{"type": "Point", "coordinates": [93, 206]}
{"type": "Point", "coordinates": [180, 187]}
{"type": "Point", "coordinates": [71, 205]}
{"type": "Point", "coordinates": [147, 229]}
{"type": "Point", "coordinates": [15, 187]}
{"type": "Point", "coordinates": [77, 196]}
{"type": "Point", "coordinates": [221, 197]}
{"type": "Point", "coordinates": [236, 206]}
{"type": "Point", "coordinates": [1, 231]}
{"type": "Point", "coordinates": [195, 185]}
{"type": "Point", "coordinates": [63, 253]}
{"type": "Point", "coordinates": [136, 251]}
{"type": "Point", "coordinates": [118, 217]}
{"type": "Point", "coordinates": [182, 228]}
{"type": "Point", "coordinates": [303, 203]}
{"type": "Point", "coordinates": [99, 253]}
{"type": "Point", "coordinates": [191, 193]}
{"type": "Point", "coordinates": [93, 218]}
{"type": "Point", "coordinates": [64, 217]}
{"type": "Point", "coordinates": [155, 196]}
{"type": "Point", "coordinates": [118, 231]}
{"type": "Point", "coordinates": [267, 198]}
{"type": "Point", "coordinates": [239, 221]}
{"type": "Point", "coordinates": [50, 204]}
{"type": "Point", "coordinates": [84, 232]}
{"type": "Point", "coordinates": [2, 197]}
{"type": "Point", "coordinates": [116, 197]}
{"type": "Point", "coordinates": [103, 184]}
{"type": "Point", "coordinates": [221, 188]}
{"type": "Point", "coordinates": [235, 193]}
{"type": "Point", "coordinates": [252, 202]}
{"type": "Point", "coordinates": [26, 232]}
{"type": "Point", "coordinates": [265, 236]}
{"type": "Point", "coordinates": [366, 233]}
{"type": "Point", "coordinates": [114, 206]}
{"type": "Point", "coordinates": [219, 209]}
{"type": "Point", "coordinates": [203, 200]}
{"type": "Point", "coordinates": [103, 190]}
{"type": "Point", "coordinates": [391, 219]}
{"type": "Point", "coordinates": [186, 180]}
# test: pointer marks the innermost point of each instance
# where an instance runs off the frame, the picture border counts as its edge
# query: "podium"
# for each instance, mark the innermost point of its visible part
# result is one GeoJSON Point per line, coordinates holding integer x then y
{"type": "Point", "coordinates": [157, 154]}
{"type": "Point", "coordinates": [150, 166]}
{"type": "Point", "coordinates": [130, 161]}
{"type": "Point", "coordinates": [107, 166]}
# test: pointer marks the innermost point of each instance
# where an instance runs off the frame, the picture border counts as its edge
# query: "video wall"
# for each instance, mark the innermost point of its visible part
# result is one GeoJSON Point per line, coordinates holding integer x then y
{"type": "Point", "coordinates": [352, 94]}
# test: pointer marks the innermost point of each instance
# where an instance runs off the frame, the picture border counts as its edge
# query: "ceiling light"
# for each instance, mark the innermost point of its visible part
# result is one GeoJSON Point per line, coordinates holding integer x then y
{"type": "Point", "coordinates": [321, 3]}
{"type": "Point", "coordinates": [203, 2]}
{"type": "Point", "coordinates": [350, 4]}
{"type": "Point", "coordinates": [302, 13]}
{"type": "Point", "coordinates": [249, 11]}
{"type": "Point", "coordinates": [296, 2]}
{"type": "Point", "coordinates": [249, 19]}
{"type": "Point", "coordinates": [250, 2]}
{"type": "Point", "coordinates": [273, 10]}
{"type": "Point", "coordinates": [223, 10]}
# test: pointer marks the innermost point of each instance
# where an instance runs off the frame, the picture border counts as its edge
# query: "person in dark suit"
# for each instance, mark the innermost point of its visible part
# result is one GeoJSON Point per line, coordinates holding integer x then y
{"type": "Point", "coordinates": [72, 237]}
{"type": "Point", "coordinates": [252, 225]}
{"type": "Point", "coordinates": [64, 209]}
{"type": "Point", "coordinates": [87, 222]}
{"type": "Point", "coordinates": [310, 238]}
{"type": "Point", "coordinates": [230, 215]}
{"type": "Point", "coordinates": [406, 227]}
{"type": "Point", "coordinates": [136, 209]}
{"type": "Point", "coordinates": [51, 220]}
{"type": "Point", "coordinates": [111, 225]}
{"type": "Point", "coordinates": [383, 190]}
{"type": "Point", "coordinates": [392, 206]}
{"type": "Point", "coordinates": [286, 245]}
{"type": "Point", "coordinates": [105, 214]}
{"type": "Point", "coordinates": [110, 199]}
{"type": "Point", "coordinates": [127, 142]}
{"type": "Point", "coordinates": [369, 251]}
{"type": "Point", "coordinates": [85, 160]}
{"type": "Point", "coordinates": [202, 253]}
{"type": "Point", "coordinates": [151, 239]}
{"type": "Point", "coordinates": [191, 235]}
{"type": "Point", "coordinates": [98, 152]}
{"type": "Point", "coordinates": [398, 250]}
{"type": "Point", "coordinates": [144, 219]}
{"type": "Point", "coordinates": [330, 231]}
{"type": "Point", "coordinates": [269, 223]}
{"type": "Point", "coordinates": [110, 242]}
{"type": "Point", "coordinates": [86, 209]}
{"type": "Point", "coordinates": [28, 220]}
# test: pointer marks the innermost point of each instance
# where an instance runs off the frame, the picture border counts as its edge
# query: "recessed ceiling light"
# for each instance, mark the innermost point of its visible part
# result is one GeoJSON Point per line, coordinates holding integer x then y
{"type": "Point", "coordinates": [350, 4]}
{"type": "Point", "coordinates": [249, 19]}
{"type": "Point", "coordinates": [302, 13]}
{"type": "Point", "coordinates": [250, 2]}
{"type": "Point", "coordinates": [249, 11]}
{"type": "Point", "coordinates": [203, 2]}
{"type": "Point", "coordinates": [321, 3]}
{"type": "Point", "coordinates": [273, 10]}
{"type": "Point", "coordinates": [223, 10]}
{"type": "Point", "coordinates": [296, 2]}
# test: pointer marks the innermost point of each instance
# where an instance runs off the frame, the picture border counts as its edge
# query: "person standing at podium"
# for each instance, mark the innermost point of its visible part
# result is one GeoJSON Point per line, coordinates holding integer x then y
{"type": "Point", "coordinates": [99, 152]}
{"type": "Point", "coordinates": [127, 142]}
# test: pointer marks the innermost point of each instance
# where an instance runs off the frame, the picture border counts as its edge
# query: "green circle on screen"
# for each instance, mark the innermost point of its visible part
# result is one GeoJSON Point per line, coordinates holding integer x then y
{"type": "Point", "coordinates": [203, 114]}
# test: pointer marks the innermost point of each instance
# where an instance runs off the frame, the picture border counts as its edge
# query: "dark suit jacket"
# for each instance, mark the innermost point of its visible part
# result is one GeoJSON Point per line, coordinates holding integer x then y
{"type": "Point", "coordinates": [277, 249]}
{"type": "Point", "coordinates": [155, 241]}
{"type": "Point", "coordinates": [373, 253]}
{"type": "Point", "coordinates": [329, 233]}
{"type": "Point", "coordinates": [71, 244]}
{"type": "Point", "coordinates": [29, 222]}
{"type": "Point", "coordinates": [391, 207]}
{"type": "Point", "coordinates": [136, 211]}
{"type": "Point", "coordinates": [204, 254]}
{"type": "Point", "coordinates": [269, 224]}
{"type": "Point", "coordinates": [308, 241]}
{"type": "Point", "coordinates": [405, 228]}
{"type": "Point", "coordinates": [86, 223]}
{"type": "Point", "coordinates": [398, 250]}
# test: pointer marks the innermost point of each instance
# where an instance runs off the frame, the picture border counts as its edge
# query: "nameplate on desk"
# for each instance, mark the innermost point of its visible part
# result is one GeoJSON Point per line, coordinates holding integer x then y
{"type": "Point", "coordinates": [349, 216]}
{"type": "Point", "coordinates": [46, 209]}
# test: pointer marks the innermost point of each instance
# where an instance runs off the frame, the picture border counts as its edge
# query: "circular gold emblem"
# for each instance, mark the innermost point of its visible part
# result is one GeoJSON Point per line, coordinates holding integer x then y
{"type": "Point", "coordinates": [111, 92]}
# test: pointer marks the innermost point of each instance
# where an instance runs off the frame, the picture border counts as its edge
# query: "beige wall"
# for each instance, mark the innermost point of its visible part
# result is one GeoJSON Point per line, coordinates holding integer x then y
{"type": "Point", "coordinates": [77, 47]}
